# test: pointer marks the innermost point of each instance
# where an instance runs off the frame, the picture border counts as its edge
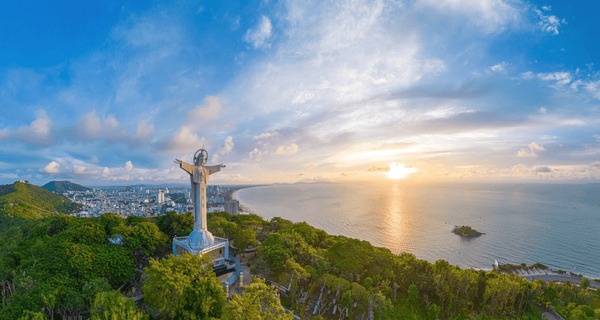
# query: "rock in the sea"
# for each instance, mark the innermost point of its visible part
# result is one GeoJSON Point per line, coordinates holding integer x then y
{"type": "Point", "coordinates": [466, 231]}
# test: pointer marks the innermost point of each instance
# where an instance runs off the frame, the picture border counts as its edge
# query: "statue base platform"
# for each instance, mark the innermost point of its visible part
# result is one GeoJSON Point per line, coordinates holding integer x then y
{"type": "Point", "coordinates": [200, 244]}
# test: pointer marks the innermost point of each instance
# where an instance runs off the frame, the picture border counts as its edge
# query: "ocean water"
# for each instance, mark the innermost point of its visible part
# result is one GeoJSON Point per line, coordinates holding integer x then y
{"type": "Point", "coordinates": [555, 224]}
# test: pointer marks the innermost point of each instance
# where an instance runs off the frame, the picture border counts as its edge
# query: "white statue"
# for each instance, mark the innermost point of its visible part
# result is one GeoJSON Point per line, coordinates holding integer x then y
{"type": "Point", "coordinates": [200, 237]}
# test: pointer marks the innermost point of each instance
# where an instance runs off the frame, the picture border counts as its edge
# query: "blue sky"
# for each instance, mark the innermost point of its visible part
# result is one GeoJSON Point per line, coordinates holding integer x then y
{"type": "Point", "coordinates": [285, 91]}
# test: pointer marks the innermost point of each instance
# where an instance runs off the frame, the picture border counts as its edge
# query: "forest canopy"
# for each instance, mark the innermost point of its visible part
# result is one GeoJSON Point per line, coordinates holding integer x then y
{"type": "Point", "coordinates": [59, 267]}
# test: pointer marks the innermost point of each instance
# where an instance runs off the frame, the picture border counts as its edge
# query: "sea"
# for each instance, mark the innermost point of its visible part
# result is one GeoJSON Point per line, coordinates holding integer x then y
{"type": "Point", "coordinates": [554, 224]}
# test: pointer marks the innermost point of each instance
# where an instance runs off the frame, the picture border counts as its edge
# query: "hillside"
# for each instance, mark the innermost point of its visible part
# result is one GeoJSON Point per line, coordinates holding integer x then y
{"type": "Point", "coordinates": [25, 200]}
{"type": "Point", "coordinates": [63, 186]}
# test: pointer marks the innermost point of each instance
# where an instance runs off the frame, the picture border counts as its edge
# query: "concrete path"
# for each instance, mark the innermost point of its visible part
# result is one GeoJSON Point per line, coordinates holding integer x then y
{"type": "Point", "coordinates": [561, 278]}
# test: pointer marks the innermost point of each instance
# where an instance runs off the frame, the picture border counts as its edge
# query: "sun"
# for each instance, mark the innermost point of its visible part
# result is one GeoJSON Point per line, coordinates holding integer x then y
{"type": "Point", "coordinates": [399, 171]}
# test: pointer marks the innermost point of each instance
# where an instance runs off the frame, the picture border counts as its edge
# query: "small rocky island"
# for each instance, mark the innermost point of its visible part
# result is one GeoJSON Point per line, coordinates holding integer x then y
{"type": "Point", "coordinates": [466, 231]}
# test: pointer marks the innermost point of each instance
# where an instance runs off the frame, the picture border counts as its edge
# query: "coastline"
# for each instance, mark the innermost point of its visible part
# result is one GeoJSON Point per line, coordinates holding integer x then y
{"type": "Point", "coordinates": [297, 209]}
{"type": "Point", "coordinates": [243, 209]}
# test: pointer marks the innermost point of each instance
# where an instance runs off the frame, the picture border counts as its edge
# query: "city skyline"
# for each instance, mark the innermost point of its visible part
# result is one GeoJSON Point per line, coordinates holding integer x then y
{"type": "Point", "coordinates": [287, 91]}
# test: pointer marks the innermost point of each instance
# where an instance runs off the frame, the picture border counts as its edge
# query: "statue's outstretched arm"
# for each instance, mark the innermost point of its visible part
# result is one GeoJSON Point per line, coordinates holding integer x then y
{"type": "Point", "coordinates": [185, 166]}
{"type": "Point", "coordinates": [213, 169]}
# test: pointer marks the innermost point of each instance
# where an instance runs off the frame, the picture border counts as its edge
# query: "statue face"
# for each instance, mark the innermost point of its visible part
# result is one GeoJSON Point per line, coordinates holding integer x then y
{"type": "Point", "coordinates": [199, 160]}
{"type": "Point", "coordinates": [200, 157]}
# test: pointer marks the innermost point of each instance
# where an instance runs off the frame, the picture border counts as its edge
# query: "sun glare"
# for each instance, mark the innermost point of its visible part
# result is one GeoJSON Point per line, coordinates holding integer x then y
{"type": "Point", "coordinates": [399, 171]}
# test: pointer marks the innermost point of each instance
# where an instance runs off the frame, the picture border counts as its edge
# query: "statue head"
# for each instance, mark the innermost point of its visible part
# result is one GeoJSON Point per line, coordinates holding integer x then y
{"type": "Point", "coordinates": [200, 157]}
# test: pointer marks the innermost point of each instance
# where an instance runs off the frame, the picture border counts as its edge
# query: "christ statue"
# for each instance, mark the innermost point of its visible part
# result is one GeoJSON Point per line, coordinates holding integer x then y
{"type": "Point", "coordinates": [200, 237]}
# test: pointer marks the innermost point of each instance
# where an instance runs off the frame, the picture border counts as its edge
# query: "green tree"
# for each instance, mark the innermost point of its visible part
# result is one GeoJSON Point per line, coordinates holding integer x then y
{"type": "Point", "coordinates": [585, 283]}
{"type": "Point", "coordinates": [112, 305]}
{"type": "Point", "coordinates": [259, 301]}
{"type": "Point", "coordinates": [30, 315]}
{"type": "Point", "coordinates": [145, 238]}
{"type": "Point", "coordinates": [220, 226]}
{"type": "Point", "coordinates": [413, 296]}
{"type": "Point", "coordinates": [432, 311]}
{"type": "Point", "coordinates": [243, 237]}
{"type": "Point", "coordinates": [183, 287]}
{"type": "Point", "coordinates": [173, 224]}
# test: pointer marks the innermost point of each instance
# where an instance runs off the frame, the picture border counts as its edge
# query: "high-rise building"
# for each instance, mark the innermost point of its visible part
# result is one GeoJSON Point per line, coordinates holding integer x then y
{"type": "Point", "coordinates": [232, 206]}
{"type": "Point", "coordinates": [160, 199]}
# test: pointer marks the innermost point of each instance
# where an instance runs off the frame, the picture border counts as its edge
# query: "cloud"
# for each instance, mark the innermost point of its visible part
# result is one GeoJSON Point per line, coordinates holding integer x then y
{"type": "Point", "coordinates": [226, 148]}
{"type": "Point", "coordinates": [79, 169]}
{"type": "Point", "coordinates": [41, 125]}
{"type": "Point", "coordinates": [52, 168]}
{"type": "Point", "coordinates": [258, 36]}
{"type": "Point", "coordinates": [184, 140]}
{"type": "Point", "coordinates": [378, 169]}
{"type": "Point", "coordinates": [339, 77]}
{"type": "Point", "coordinates": [561, 78]}
{"type": "Point", "coordinates": [93, 127]}
{"type": "Point", "coordinates": [489, 15]}
{"type": "Point", "coordinates": [500, 68]}
{"type": "Point", "coordinates": [398, 170]}
{"type": "Point", "coordinates": [37, 132]}
{"type": "Point", "coordinates": [519, 169]}
{"type": "Point", "coordinates": [548, 23]}
{"type": "Point", "coordinates": [128, 166]}
{"type": "Point", "coordinates": [542, 170]}
{"type": "Point", "coordinates": [265, 136]}
{"type": "Point", "coordinates": [593, 88]}
{"type": "Point", "coordinates": [533, 149]}
{"type": "Point", "coordinates": [144, 130]}
{"type": "Point", "coordinates": [209, 111]}
{"type": "Point", "coordinates": [287, 149]}
{"type": "Point", "coordinates": [255, 155]}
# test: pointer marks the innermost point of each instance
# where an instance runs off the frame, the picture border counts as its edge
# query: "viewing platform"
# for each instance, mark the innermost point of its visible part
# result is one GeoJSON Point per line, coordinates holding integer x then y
{"type": "Point", "coordinates": [218, 251]}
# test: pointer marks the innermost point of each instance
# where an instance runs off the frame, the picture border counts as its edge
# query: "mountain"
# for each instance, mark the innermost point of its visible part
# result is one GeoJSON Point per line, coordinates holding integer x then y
{"type": "Point", "coordinates": [22, 199]}
{"type": "Point", "coordinates": [63, 186]}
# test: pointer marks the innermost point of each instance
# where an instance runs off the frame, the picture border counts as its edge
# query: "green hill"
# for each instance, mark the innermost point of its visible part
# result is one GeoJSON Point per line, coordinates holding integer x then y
{"type": "Point", "coordinates": [63, 186]}
{"type": "Point", "coordinates": [22, 199]}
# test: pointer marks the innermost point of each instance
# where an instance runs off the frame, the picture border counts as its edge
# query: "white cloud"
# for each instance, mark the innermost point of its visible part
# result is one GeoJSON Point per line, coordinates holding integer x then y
{"type": "Point", "coordinates": [534, 146]}
{"type": "Point", "coordinates": [37, 132]}
{"type": "Point", "coordinates": [258, 36]}
{"type": "Point", "coordinates": [41, 125]}
{"type": "Point", "coordinates": [256, 155]}
{"type": "Point", "coordinates": [208, 111]}
{"type": "Point", "coordinates": [128, 166]}
{"type": "Point", "coordinates": [144, 130]}
{"type": "Point", "coordinates": [92, 127]}
{"type": "Point", "coordinates": [500, 67]}
{"type": "Point", "coordinates": [532, 150]}
{"type": "Point", "coordinates": [489, 15]}
{"type": "Point", "coordinates": [287, 150]}
{"type": "Point", "coordinates": [593, 88]}
{"type": "Point", "coordinates": [265, 135]}
{"type": "Point", "coordinates": [548, 23]}
{"type": "Point", "coordinates": [519, 170]}
{"type": "Point", "coordinates": [226, 148]}
{"type": "Point", "coordinates": [52, 168]}
{"type": "Point", "coordinates": [79, 169]}
{"type": "Point", "coordinates": [185, 139]}
{"type": "Point", "coordinates": [336, 54]}
{"type": "Point", "coordinates": [561, 78]}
